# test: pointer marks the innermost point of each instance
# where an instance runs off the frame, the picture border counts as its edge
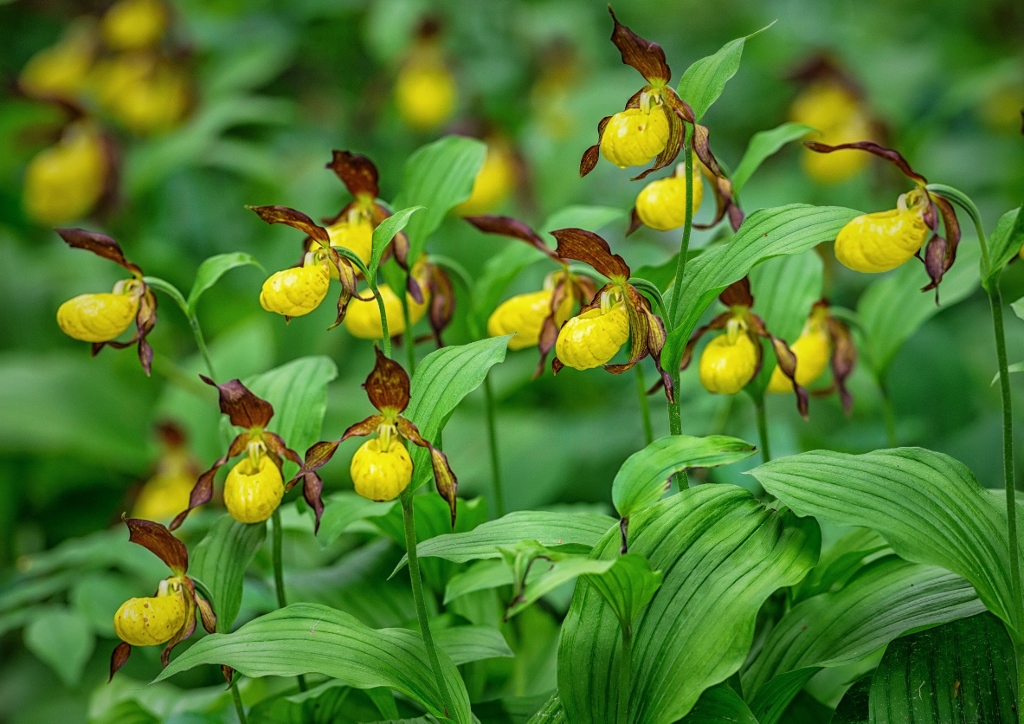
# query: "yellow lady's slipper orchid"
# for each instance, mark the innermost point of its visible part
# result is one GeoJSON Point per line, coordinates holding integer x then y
{"type": "Point", "coordinates": [381, 474]}
{"type": "Point", "coordinates": [99, 317]}
{"type": "Point", "coordinates": [154, 620]}
{"type": "Point", "coordinates": [296, 291]}
{"type": "Point", "coordinates": [134, 24]}
{"type": "Point", "coordinates": [592, 338]}
{"type": "Point", "coordinates": [253, 492]}
{"type": "Point", "coordinates": [524, 315]}
{"type": "Point", "coordinates": [62, 69]}
{"type": "Point", "coordinates": [882, 240]}
{"type": "Point", "coordinates": [65, 181]}
{"type": "Point", "coordinates": [425, 92]}
{"type": "Point", "coordinates": [726, 366]}
{"type": "Point", "coordinates": [661, 204]}
{"type": "Point", "coordinates": [634, 137]}
{"type": "Point", "coordinates": [354, 234]}
{"type": "Point", "coordinates": [363, 318]}
{"type": "Point", "coordinates": [494, 182]}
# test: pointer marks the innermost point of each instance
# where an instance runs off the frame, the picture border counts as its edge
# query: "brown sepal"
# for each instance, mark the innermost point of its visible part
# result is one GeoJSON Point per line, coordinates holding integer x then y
{"type": "Point", "coordinates": [593, 154]}
{"type": "Point", "coordinates": [242, 407]}
{"type": "Point", "coordinates": [719, 322]}
{"type": "Point", "coordinates": [159, 541]}
{"type": "Point", "coordinates": [145, 320]}
{"type": "Point", "coordinates": [312, 492]}
{"type": "Point", "coordinates": [442, 301]}
{"type": "Point", "coordinates": [227, 672]}
{"type": "Point", "coordinates": [940, 253]}
{"type": "Point", "coordinates": [787, 363]}
{"type": "Point", "coordinates": [844, 358]}
{"type": "Point", "coordinates": [277, 445]}
{"type": "Point", "coordinates": [357, 172]}
{"type": "Point", "coordinates": [388, 385]}
{"type": "Point", "coordinates": [589, 248]}
{"type": "Point", "coordinates": [445, 480]}
{"type": "Point", "coordinates": [634, 221]}
{"type": "Point", "coordinates": [202, 491]}
{"type": "Point", "coordinates": [656, 337]}
{"type": "Point", "coordinates": [513, 228]}
{"type": "Point", "coordinates": [206, 614]}
{"type": "Point", "coordinates": [637, 331]}
{"type": "Point", "coordinates": [118, 658]}
{"type": "Point", "coordinates": [100, 245]}
{"type": "Point", "coordinates": [737, 294]}
{"type": "Point", "coordinates": [893, 157]}
{"type": "Point", "coordinates": [549, 327]}
{"type": "Point", "coordinates": [648, 58]}
{"type": "Point", "coordinates": [673, 145]}
{"type": "Point", "coordinates": [188, 628]}
{"type": "Point", "coordinates": [294, 219]}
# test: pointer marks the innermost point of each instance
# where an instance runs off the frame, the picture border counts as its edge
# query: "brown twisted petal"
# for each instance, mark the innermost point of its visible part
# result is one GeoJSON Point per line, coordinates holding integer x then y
{"type": "Point", "coordinates": [206, 614]}
{"type": "Point", "coordinates": [785, 358]}
{"type": "Point", "coordinates": [589, 248]}
{"type": "Point", "coordinates": [656, 337]}
{"type": "Point", "coordinates": [294, 219]}
{"type": "Point", "coordinates": [634, 221]}
{"type": "Point", "coordinates": [387, 385]}
{"type": "Point", "coordinates": [672, 146]}
{"type": "Point", "coordinates": [202, 492]}
{"type": "Point", "coordinates": [890, 155]}
{"type": "Point", "coordinates": [940, 253]}
{"type": "Point", "coordinates": [737, 294]}
{"type": "Point", "coordinates": [844, 357]}
{"type": "Point", "coordinates": [444, 478]}
{"type": "Point", "coordinates": [188, 628]}
{"type": "Point", "coordinates": [512, 228]}
{"type": "Point", "coordinates": [242, 407]}
{"type": "Point", "coordinates": [277, 445]}
{"type": "Point", "coordinates": [158, 540]}
{"type": "Point", "coordinates": [549, 327]}
{"type": "Point", "coordinates": [593, 154]}
{"type": "Point", "coordinates": [360, 429]}
{"type": "Point", "coordinates": [442, 301]}
{"type": "Point", "coordinates": [118, 658]}
{"type": "Point", "coordinates": [647, 57]}
{"type": "Point", "coordinates": [145, 320]}
{"type": "Point", "coordinates": [312, 493]}
{"type": "Point", "coordinates": [357, 172]}
{"type": "Point", "coordinates": [100, 245]}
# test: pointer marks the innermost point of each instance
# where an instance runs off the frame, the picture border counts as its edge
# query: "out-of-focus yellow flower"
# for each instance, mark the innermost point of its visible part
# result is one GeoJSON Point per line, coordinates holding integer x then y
{"type": "Point", "coordinates": [840, 117]}
{"type": "Point", "coordinates": [494, 182]}
{"type": "Point", "coordinates": [166, 493]}
{"type": "Point", "coordinates": [363, 318]}
{"type": "Point", "coordinates": [134, 24]}
{"type": "Point", "coordinates": [425, 91]}
{"type": "Point", "coordinates": [812, 350]}
{"type": "Point", "coordinates": [64, 182]}
{"type": "Point", "coordinates": [62, 69]}
{"type": "Point", "coordinates": [142, 92]}
{"type": "Point", "coordinates": [633, 137]}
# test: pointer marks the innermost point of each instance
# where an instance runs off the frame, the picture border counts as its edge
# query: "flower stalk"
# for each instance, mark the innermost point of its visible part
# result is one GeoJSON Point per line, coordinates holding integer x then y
{"type": "Point", "coordinates": [625, 672]}
{"type": "Point", "coordinates": [762, 429]}
{"type": "Point", "coordinates": [492, 440]}
{"type": "Point", "coordinates": [237, 698]}
{"type": "Point", "coordinates": [282, 597]}
{"type": "Point", "coordinates": [193, 321]}
{"type": "Point", "coordinates": [645, 407]}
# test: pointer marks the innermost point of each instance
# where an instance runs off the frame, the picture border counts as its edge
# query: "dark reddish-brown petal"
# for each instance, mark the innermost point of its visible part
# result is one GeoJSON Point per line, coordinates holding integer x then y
{"type": "Point", "coordinates": [717, 323]}
{"type": "Point", "coordinates": [549, 327]}
{"type": "Point", "coordinates": [206, 614]}
{"type": "Point", "coordinates": [360, 429]}
{"type": "Point", "coordinates": [294, 219]}
{"type": "Point", "coordinates": [936, 254]}
{"type": "Point", "coordinates": [157, 539]}
{"type": "Point", "coordinates": [388, 385]}
{"type": "Point", "coordinates": [890, 155]}
{"type": "Point", "coordinates": [672, 146]}
{"type": "Point", "coordinates": [118, 658]}
{"type": "Point", "coordinates": [787, 363]}
{"type": "Point", "coordinates": [227, 672]}
{"type": "Point", "coordinates": [357, 172]}
{"type": "Point", "coordinates": [278, 445]}
{"type": "Point", "coordinates": [100, 245]}
{"type": "Point", "coordinates": [647, 57]}
{"type": "Point", "coordinates": [312, 490]}
{"type": "Point", "coordinates": [737, 294]}
{"type": "Point", "coordinates": [702, 147]}
{"type": "Point", "coordinates": [442, 301]}
{"type": "Point", "coordinates": [593, 154]}
{"type": "Point", "coordinates": [556, 365]}
{"type": "Point", "coordinates": [939, 259]}
{"type": "Point", "coordinates": [242, 407]}
{"type": "Point", "coordinates": [202, 492]}
{"type": "Point", "coordinates": [513, 228]}
{"type": "Point", "coordinates": [444, 479]}
{"type": "Point", "coordinates": [844, 358]}
{"type": "Point", "coordinates": [634, 221]}
{"type": "Point", "coordinates": [589, 248]}
{"type": "Point", "coordinates": [656, 337]}
{"type": "Point", "coordinates": [187, 629]}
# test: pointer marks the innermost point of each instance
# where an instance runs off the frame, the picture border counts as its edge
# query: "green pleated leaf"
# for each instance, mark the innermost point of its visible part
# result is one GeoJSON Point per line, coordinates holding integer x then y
{"type": "Point", "coordinates": [63, 639]}
{"type": "Point", "coordinates": [220, 560]}
{"type": "Point", "coordinates": [720, 705]}
{"type": "Point", "coordinates": [840, 562]}
{"type": "Point", "coordinates": [1004, 243]}
{"type": "Point", "coordinates": [385, 232]}
{"type": "Point", "coordinates": [438, 177]}
{"type": "Point", "coordinates": [441, 380]}
{"type": "Point", "coordinates": [211, 270]}
{"type": "Point", "coordinates": [628, 585]}
{"type": "Point", "coordinates": [960, 673]}
{"type": "Point", "coordinates": [766, 233]}
{"type": "Point", "coordinates": [307, 638]}
{"type": "Point", "coordinates": [127, 712]}
{"type": "Point", "coordinates": [928, 506]}
{"type": "Point", "coordinates": [643, 478]}
{"type": "Point", "coordinates": [774, 699]}
{"type": "Point", "coordinates": [547, 575]}
{"type": "Point", "coordinates": [784, 290]}
{"type": "Point", "coordinates": [722, 554]}
{"type": "Point", "coordinates": [704, 81]}
{"type": "Point", "coordinates": [344, 508]}
{"type": "Point", "coordinates": [551, 713]}
{"type": "Point", "coordinates": [480, 576]}
{"type": "Point", "coordinates": [853, 708]}
{"type": "Point", "coordinates": [330, 703]}
{"type": "Point", "coordinates": [763, 145]}
{"type": "Point", "coordinates": [885, 332]}
{"type": "Point", "coordinates": [471, 643]}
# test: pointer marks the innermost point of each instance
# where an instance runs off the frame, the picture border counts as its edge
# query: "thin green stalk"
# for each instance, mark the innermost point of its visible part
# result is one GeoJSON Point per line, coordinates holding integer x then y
{"type": "Point", "coordinates": [762, 430]}
{"type": "Point", "coordinates": [625, 666]}
{"type": "Point", "coordinates": [492, 440]}
{"type": "Point", "coordinates": [282, 599]}
{"type": "Point", "coordinates": [409, 519]}
{"type": "Point", "coordinates": [197, 332]}
{"type": "Point", "coordinates": [193, 322]}
{"type": "Point", "coordinates": [645, 407]}
{"type": "Point", "coordinates": [410, 344]}
{"type": "Point", "coordinates": [239, 707]}
{"type": "Point", "coordinates": [889, 414]}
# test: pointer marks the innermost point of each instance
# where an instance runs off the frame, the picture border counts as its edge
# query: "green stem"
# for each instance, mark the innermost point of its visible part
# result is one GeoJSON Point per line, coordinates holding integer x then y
{"type": "Point", "coordinates": [197, 332]}
{"type": "Point", "coordinates": [492, 440]}
{"type": "Point", "coordinates": [282, 599]}
{"type": "Point", "coordinates": [645, 407]}
{"type": "Point", "coordinates": [762, 430]}
{"type": "Point", "coordinates": [625, 665]}
{"type": "Point", "coordinates": [386, 341]}
{"type": "Point", "coordinates": [410, 345]}
{"type": "Point", "coordinates": [193, 322]}
{"type": "Point", "coordinates": [889, 414]}
{"type": "Point", "coordinates": [409, 519]}
{"type": "Point", "coordinates": [239, 707]}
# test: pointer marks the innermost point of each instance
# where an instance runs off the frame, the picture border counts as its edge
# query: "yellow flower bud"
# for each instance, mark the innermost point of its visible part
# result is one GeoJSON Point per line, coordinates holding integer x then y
{"type": "Point", "coordinates": [880, 241]}
{"type": "Point", "coordinates": [296, 291]}
{"type": "Point", "coordinates": [251, 495]}
{"type": "Point", "coordinates": [425, 93]}
{"type": "Point", "coordinates": [64, 182]}
{"type": "Point", "coordinates": [62, 69]}
{"type": "Point", "coordinates": [152, 621]}
{"type": "Point", "coordinates": [632, 137]}
{"type": "Point", "coordinates": [812, 350]}
{"type": "Point", "coordinates": [592, 338]}
{"type": "Point", "coordinates": [142, 94]}
{"type": "Point", "coordinates": [363, 318]}
{"type": "Point", "coordinates": [493, 183]}
{"type": "Point", "coordinates": [97, 317]}
{"type": "Point", "coordinates": [355, 235]}
{"type": "Point", "coordinates": [524, 315]}
{"type": "Point", "coordinates": [381, 474]}
{"type": "Point", "coordinates": [661, 204]}
{"type": "Point", "coordinates": [134, 24]}
{"type": "Point", "coordinates": [726, 367]}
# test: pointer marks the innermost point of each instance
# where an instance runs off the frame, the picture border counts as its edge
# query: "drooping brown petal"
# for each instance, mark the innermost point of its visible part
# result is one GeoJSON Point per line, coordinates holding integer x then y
{"type": "Point", "coordinates": [242, 407]}
{"type": "Point", "coordinates": [725, 203]}
{"type": "Point", "coordinates": [647, 57]}
{"type": "Point", "coordinates": [388, 385]}
{"type": "Point", "coordinates": [360, 429]}
{"type": "Point", "coordinates": [206, 614]}
{"type": "Point", "coordinates": [890, 155]}
{"type": "Point", "coordinates": [100, 245]}
{"type": "Point", "coordinates": [549, 327]}
{"type": "Point", "coordinates": [202, 492]}
{"type": "Point", "coordinates": [227, 672]}
{"type": "Point", "coordinates": [637, 331]}
{"type": "Point", "coordinates": [634, 221]}
{"type": "Point", "coordinates": [656, 337]}
{"type": "Point", "coordinates": [672, 146]}
{"type": "Point", "coordinates": [702, 147]}
{"type": "Point", "coordinates": [187, 629]}
{"type": "Point", "coordinates": [312, 491]}
{"type": "Point", "coordinates": [158, 540]}
{"type": "Point", "coordinates": [118, 658]}
{"type": "Point", "coordinates": [787, 363]}
{"type": "Point", "coordinates": [940, 254]}
{"type": "Point", "coordinates": [277, 445]}
{"type": "Point", "coordinates": [294, 219]}
{"type": "Point", "coordinates": [589, 248]}
{"type": "Point", "coordinates": [357, 172]}
{"type": "Point", "coordinates": [719, 322]}
{"type": "Point", "coordinates": [145, 320]}
{"type": "Point", "coordinates": [593, 154]}
{"type": "Point", "coordinates": [442, 301]}
{"type": "Point", "coordinates": [844, 357]}
{"type": "Point", "coordinates": [445, 480]}
{"type": "Point", "coordinates": [737, 294]}
{"type": "Point", "coordinates": [513, 228]}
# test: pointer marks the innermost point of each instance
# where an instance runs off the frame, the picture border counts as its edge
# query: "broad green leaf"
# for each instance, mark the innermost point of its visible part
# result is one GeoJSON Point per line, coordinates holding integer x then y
{"type": "Point", "coordinates": [385, 232]}
{"type": "Point", "coordinates": [886, 332]}
{"type": "Point", "coordinates": [498, 273]}
{"type": "Point", "coordinates": [1004, 243]}
{"type": "Point", "coordinates": [960, 673]}
{"type": "Point", "coordinates": [298, 392]}
{"type": "Point", "coordinates": [546, 576]}
{"type": "Point", "coordinates": [551, 713]}
{"type": "Point", "coordinates": [840, 561]}
{"type": "Point", "coordinates": [220, 560]}
{"type": "Point", "coordinates": [567, 532]}
{"type": "Point", "coordinates": [471, 643]}
{"type": "Point", "coordinates": [440, 382]}
{"type": "Point", "coordinates": [853, 708]}
{"type": "Point", "coordinates": [928, 506]}
{"type": "Point", "coordinates": [480, 576]}
{"type": "Point", "coordinates": [591, 218]}
{"type": "Point", "coordinates": [643, 478]}
{"type": "Point", "coordinates": [774, 699]}
{"type": "Point", "coordinates": [628, 585]}
{"type": "Point", "coordinates": [704, 81]}
{"type": "Point", "coordinates": [885, 600]}
{"type": "Point", "coordinates": [127, 712]}
{"type": "Point", "coordinates": [1018, 308]}
{"type": "Point", "coordinates": [723, 554]}
{"type": "Point", "coordinates": [438, 177]}
{"type": "Point", "coordinates": [211, 270]}
{"type": "Point", "coordinates": [344, 508]}
{"type": "Point", "coordinates": [784, 290]}
{"type": "Point", "coordinates": [766, 233]}
{"type": "Point", "coordinates": [63, 639]}
{"type": "Point", "coordinates": [762, 145]}
{"type": "Point", "coordinates": [306, 638]}
{"type": "Point", "coordinates": [719, 705]}
{"type": "Point", "coordinates": [330, 703]}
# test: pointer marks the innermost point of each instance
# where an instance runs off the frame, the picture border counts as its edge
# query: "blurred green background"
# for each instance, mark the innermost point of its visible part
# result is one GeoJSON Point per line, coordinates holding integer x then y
{"type": "Point", "coordinates": [277, 85]}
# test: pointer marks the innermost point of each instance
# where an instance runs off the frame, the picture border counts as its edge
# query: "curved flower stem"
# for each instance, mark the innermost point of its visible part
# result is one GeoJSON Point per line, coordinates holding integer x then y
{"type": "Point", "coordinates": [371, 281]}
{"type": "Point", "coordinates": [282, 599]}
{"type": "Point", "coordinates": [645, 407]}
{"type": "Point", "coordinates": [409, 519]}
{"type": "Point", "coordinates": [762, 429]}
{"type": "Point", "coordinates": [625, 666]}
{"type": "Point", "coordinates": [492, 440]}
{"type": "Point", "coordinates": [193, 322]}
{"type": "Point", "coordinates": [239, 707]}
